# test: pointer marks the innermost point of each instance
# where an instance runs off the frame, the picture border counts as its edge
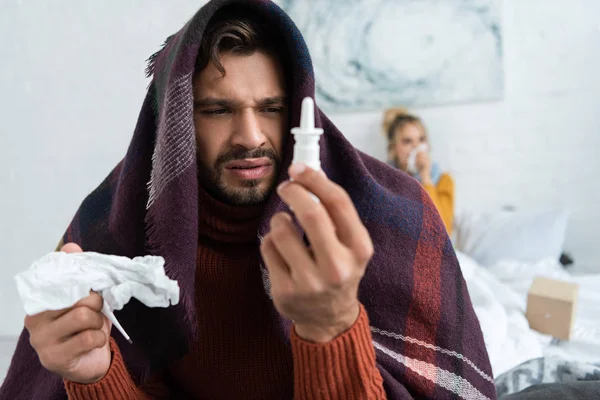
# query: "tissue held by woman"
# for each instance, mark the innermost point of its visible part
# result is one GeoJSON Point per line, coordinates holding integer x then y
{"type": "Point", "coordinates": [408, 149]}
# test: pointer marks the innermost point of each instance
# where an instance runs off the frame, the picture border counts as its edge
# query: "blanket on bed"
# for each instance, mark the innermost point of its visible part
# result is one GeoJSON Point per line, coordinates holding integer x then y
{"type": "Point", "coordinates": [545, 370]}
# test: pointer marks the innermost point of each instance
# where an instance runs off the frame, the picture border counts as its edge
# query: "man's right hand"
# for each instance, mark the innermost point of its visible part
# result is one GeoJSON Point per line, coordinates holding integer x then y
{"type": "Point", "coordinates": [74, 342]}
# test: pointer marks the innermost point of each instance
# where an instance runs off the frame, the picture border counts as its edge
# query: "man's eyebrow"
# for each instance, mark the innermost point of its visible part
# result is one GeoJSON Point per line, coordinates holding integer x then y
{"type": "Point", "coordinates": [269, 101]}
{"type": "Point", "coordinates": [226, 103]}
{"type": "Point", "coordinates": [214, 101]}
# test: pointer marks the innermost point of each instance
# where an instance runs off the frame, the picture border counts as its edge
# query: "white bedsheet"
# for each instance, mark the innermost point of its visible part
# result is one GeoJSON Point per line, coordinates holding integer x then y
{"type": "Point", "coordinates": [499, 296]}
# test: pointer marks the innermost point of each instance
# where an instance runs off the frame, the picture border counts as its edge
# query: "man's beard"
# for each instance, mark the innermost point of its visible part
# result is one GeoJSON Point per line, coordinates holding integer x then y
{"type": "Point", "coordinates": [250, 192]}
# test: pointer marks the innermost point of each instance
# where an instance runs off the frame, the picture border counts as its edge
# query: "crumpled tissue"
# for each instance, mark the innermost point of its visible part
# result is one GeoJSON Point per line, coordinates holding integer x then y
{"type": "Point", "coordinates": [59, 280]}
{"type": "Point", "coordinates": [412, 158]}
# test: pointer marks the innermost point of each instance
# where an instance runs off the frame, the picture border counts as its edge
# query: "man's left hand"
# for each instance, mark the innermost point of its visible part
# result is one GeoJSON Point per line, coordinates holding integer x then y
{"type": "Point", "coordinates": [317, 288]}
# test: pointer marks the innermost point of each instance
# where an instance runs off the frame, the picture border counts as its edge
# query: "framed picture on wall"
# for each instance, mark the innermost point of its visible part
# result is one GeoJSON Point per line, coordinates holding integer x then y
{"type": "Point", "coordinates": [373, 54]}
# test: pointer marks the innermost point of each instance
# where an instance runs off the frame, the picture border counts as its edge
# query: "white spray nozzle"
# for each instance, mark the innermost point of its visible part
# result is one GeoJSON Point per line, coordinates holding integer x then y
{"type": "Point", "coordinates": [307, 119]}
{"type": "Point", "coordinates": [306, 147]}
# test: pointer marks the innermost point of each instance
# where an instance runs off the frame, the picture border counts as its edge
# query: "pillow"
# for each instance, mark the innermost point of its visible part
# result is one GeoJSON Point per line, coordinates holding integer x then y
{"type": "Point", "coordinates": [525, 236]}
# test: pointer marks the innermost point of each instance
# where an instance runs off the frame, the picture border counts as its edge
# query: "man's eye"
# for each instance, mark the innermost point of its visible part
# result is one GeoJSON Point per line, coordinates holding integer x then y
{"type": "Point", "coordinates": [273, 110]}
{"type": "Point", "coordinates": [219, 111]}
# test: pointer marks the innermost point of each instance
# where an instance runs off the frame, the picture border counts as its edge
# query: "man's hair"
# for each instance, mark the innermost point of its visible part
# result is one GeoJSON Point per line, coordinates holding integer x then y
{"type": "Point", "coordinates": [240, 31]}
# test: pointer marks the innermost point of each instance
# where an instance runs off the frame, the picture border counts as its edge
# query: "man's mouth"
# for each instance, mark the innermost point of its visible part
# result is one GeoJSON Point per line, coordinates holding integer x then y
{"type": "Point", "coordinates": [246, 169]}
{"type": "Point", "coordinates": [248, 163]}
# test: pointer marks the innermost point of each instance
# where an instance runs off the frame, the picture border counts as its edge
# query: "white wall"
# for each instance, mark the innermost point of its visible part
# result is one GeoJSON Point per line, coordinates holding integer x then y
{"type": "Point", "coordinates": [538, 147]}
{"type": "Point", "coordinates": [72, 82]}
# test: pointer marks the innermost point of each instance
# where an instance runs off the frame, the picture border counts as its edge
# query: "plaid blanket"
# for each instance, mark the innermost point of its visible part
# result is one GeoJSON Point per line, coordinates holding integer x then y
{"type": "Point", "coordinates": [426, 335]}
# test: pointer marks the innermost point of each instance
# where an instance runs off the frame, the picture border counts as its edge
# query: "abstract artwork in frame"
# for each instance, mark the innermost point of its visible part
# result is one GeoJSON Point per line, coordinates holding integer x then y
{"type": "Point", "coordinates": [372, 54]}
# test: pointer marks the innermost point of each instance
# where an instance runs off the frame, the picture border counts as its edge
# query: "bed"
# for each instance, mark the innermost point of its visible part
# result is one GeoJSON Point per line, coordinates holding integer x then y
{"type": "Point", "coordinates": [500, 254]}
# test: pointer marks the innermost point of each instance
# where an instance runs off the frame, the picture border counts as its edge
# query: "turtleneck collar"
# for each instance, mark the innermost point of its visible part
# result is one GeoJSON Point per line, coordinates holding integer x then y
{"type": "Point", "coordinates": [226, 223]}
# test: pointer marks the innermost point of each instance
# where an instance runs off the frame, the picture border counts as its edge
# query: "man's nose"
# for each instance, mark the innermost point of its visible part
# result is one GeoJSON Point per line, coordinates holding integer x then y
{"type": "Point", "coordinates": [248, 132]}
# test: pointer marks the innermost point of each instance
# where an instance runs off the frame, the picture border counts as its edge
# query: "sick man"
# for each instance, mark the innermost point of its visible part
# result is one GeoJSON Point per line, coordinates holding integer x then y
{"type": "Point", "coordinates": [358, 296]}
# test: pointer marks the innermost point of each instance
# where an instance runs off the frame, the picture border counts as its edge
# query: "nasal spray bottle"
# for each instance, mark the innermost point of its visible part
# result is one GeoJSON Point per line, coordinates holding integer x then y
{"type": "Point", "coordinates": [306, 139]}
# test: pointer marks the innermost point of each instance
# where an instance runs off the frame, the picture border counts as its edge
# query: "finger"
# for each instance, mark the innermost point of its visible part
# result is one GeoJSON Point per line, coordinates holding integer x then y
{"type": "Point", "coordinates": [82, 343]}
{"type": "Point", "coordinates": [313, 217]}
{"type": "Point", "coordinates": [336, 201]}
{"type": "Point", "coordinates": [279, 272]}
{"type": "Point", "coordinates": [71, 248]}
{"type": "Point", "coordinates": [77, 320]}
{"type": "Point", "coordinates": [32, 320]}
{"type": "Point", "coordinates": [107, 326]}
{"type": "Point", "coordinates": [290, 246]}
{"type": "Point", "coordinates": [93, 301]}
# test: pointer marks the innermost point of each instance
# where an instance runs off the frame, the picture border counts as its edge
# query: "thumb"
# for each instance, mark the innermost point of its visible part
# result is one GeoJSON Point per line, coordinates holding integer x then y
{"type": "Point", "coordinates": [71, 248]}
{"type": "Point", "coordinates": [107, 326]}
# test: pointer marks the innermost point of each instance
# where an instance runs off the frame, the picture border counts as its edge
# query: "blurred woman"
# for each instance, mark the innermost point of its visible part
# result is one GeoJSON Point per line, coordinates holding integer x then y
{"type": "Point", "coordinates": [409, 150]}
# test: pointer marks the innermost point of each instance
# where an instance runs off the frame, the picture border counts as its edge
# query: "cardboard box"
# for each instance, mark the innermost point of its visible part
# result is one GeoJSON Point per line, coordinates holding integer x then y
{"type": "Point", "coordinates": [551, 306]}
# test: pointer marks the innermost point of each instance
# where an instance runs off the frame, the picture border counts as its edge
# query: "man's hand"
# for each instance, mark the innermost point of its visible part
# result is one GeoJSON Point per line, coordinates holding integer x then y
{"type": "Point", "coordinates": [317, 288]}
{"type": "Point", "coordinates": [73, 342]}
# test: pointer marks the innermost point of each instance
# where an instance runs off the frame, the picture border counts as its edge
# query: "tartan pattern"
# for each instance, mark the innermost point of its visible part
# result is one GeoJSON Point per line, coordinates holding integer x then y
{"type": "Point", "coordinates": [435, 348]}
{"type": "Point", "coordinates": [413, 287]}
{"type": "Point", "coordinates": [438, 376]}
{"type": "Point", "coordinates": [176, 145]}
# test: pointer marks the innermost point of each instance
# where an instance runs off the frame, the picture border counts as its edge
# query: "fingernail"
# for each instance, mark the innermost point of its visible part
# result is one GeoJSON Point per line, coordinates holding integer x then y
{"type": "Point", "coordinates": [297, 169]}
{"type": "Point", "coordinates": [282, 185]}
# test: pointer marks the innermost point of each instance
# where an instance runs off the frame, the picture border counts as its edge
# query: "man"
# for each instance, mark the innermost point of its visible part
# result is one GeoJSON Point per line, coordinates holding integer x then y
{"type": "Point", "coordinates": [285, 312]}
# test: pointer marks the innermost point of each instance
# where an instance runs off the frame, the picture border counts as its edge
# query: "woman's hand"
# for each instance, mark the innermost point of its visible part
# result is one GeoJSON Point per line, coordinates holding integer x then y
{"type": "Point", "coordinates": [423, 163]}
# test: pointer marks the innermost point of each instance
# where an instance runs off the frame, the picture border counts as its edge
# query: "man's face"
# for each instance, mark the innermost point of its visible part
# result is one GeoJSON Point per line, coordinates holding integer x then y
{"type": "Point", "coordinates": [240, 120]}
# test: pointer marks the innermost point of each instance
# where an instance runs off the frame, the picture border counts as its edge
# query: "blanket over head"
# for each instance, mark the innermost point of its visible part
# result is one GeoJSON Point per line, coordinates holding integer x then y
{"type": "Point", "coordinates": [426, 336]}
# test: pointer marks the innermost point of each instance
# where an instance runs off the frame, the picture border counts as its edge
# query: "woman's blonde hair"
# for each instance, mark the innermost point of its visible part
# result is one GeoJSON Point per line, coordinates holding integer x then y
{"type": "Point", "coordinates": [394, 119]}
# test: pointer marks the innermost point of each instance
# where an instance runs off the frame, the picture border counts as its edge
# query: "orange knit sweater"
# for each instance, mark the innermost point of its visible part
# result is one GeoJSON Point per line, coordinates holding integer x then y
{"type": "Point", "coordinates": [239, 352]}
{"type": "Point", "coordinates": [442, 195]}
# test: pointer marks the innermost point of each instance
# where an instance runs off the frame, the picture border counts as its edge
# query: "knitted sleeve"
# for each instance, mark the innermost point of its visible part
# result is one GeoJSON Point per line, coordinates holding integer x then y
{"type": "Point", "coordinates": [343, 368]}
{"type": "Point", "coordinates": [117, 384]}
